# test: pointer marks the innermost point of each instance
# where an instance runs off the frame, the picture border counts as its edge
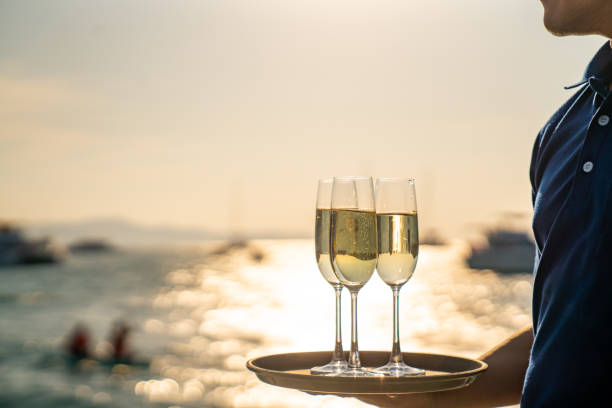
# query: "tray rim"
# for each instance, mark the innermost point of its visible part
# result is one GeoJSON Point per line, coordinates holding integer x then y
{"type": "Point", "coordinates": [469, 375]}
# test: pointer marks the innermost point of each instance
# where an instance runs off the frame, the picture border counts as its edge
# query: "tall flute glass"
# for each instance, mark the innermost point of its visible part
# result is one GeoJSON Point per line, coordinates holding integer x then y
{"type": "Point", "coordinates": [398, 250]}
{"type": "Point", "coordinates": [323, 214]}
{"type": "Point", "coordinates": [353, 247]}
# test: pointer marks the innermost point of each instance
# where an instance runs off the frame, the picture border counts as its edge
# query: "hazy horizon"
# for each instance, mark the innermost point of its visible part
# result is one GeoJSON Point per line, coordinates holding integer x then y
{"type": "Point", "coordinates": [222, 115]}
{"type": "Point", "coordinates": [124, 232]}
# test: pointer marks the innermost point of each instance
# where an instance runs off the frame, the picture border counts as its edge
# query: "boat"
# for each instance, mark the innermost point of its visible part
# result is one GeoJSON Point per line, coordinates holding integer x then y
{"type": "Point", "coordinates": [91, 245]}
{"type": "Point", "coordinates": [505, 251]}
{"type": "Point", "coordinates": [16, 249]}
{"type": "Point", "coordinates": [232, 246]}
{"type": "Point", "coordinates": [432, 237]}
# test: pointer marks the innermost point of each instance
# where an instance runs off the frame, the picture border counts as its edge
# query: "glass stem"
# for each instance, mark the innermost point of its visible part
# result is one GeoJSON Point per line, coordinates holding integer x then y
{"type": "Point", "coordinates": [396, 352]}
{"type": "Point", "coordinates": [354, 361]}
{"type": "Point", "coordinates": [338, 352]}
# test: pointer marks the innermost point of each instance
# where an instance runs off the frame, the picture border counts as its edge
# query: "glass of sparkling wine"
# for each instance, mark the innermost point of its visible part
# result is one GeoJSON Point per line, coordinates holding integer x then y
{"type": "Point", "coordinates": [353, 248]}
{"type": "Point", "coordinates": [398, 249]}
{"type": "Point", "coordinates": [323, 213]}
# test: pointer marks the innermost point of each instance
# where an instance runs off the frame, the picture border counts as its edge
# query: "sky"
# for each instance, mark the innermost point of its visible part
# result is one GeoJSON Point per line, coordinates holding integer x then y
{"type": "Point", "coordinates": [223, 114]}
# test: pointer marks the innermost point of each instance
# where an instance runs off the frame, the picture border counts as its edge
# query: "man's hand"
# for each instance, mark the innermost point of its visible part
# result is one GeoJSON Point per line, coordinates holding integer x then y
{"type": "Point", "coordinates": [419, 400]}
{"type": "Point", "coordinates": [500, 385]}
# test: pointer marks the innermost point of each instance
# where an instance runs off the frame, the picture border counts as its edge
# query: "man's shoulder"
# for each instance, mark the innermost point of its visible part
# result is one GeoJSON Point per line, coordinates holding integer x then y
{"type": "Point", "coordinates": [547, 141]}
{"type": "Point", "coordinates": [557, 118]}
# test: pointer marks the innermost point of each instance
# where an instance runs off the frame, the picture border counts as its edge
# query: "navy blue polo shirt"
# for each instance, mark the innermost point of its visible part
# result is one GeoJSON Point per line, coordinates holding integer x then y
{"type": "Point", "coordinates": [571, 178]}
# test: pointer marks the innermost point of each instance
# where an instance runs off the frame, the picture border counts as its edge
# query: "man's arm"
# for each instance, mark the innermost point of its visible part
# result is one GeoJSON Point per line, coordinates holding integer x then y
{"type": "Point", "coordinates": [501, 384]}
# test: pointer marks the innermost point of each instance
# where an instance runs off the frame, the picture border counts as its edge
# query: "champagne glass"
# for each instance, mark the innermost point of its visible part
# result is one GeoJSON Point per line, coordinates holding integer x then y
{"type": "Point", "coordinates": [353, 247]}
{"type": "Point", "coordinates": [323, 212]}
{"type": "Point", "coordinates": [398, 249]}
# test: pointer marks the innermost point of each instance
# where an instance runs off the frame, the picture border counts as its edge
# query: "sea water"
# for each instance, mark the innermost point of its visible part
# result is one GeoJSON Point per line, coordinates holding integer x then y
{"type": "Point", "coordinates": [196, 318]}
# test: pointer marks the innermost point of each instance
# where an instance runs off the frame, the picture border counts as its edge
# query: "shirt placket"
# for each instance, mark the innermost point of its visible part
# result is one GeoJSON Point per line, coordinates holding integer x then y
{"type": "Point", "coordinates": [590, 159]}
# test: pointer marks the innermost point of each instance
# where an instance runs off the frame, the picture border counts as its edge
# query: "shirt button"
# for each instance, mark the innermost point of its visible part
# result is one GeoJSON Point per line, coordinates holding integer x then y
{"type": "Point", "coordinates": [603, 120]}
{"type": "Point", "coordinates": [587, 167]}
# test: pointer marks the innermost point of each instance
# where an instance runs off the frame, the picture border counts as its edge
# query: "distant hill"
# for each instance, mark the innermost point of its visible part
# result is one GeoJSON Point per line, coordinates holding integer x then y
{"type": "Point", "coordinates": [124, 232]}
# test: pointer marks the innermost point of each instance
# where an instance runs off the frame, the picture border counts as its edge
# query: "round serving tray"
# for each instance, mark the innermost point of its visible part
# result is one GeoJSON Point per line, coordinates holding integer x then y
{"type": "Point", "coordinates": [292, 370]}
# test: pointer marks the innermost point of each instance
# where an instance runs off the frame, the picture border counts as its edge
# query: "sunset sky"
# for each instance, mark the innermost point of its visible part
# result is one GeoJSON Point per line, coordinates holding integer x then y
{"type": "Point", "coordinates": [223, 114]}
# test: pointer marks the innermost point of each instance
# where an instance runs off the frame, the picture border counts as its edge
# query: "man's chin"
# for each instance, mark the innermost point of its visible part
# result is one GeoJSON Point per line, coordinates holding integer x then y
{"type": "Point", "coordinates": [558, 32]}
{"type": "Point", "coordinates": [559, 29]}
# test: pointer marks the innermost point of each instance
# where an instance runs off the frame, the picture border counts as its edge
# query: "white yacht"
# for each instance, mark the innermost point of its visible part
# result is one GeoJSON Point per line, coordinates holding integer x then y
{"type": "Point", "coordinates": [505, 251]}
{"type": "Point", "coordinates": [16, 249]}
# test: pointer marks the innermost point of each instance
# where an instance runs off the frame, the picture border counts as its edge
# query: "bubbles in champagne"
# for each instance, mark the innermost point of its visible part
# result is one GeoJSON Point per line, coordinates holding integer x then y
{"type": "Point", "coordinates": [353, 246]}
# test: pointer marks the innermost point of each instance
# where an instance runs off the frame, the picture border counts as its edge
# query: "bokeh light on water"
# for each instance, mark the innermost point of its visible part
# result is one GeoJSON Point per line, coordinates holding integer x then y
{"type": "Point", "coordinates": [199, 317]}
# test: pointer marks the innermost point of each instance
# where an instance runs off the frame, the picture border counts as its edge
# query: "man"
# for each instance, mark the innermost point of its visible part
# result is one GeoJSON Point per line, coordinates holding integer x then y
{"type": "Point", "coordinates": [569, 347]}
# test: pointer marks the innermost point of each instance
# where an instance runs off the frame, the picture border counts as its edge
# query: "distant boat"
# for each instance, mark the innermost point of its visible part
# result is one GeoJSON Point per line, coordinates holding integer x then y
{"type": "Point", "coordinates": [16, 249]}
{"type": "Point", "coordinates": [431, 237]}
{"type": "Point", "coordinates": [91, 245]}
{"type": "Point", "coordinates": [230, 246]}
{"type": "Point", "coordinates": [255, 253]}
{"type": "Point", "coordinates": [506, 251]}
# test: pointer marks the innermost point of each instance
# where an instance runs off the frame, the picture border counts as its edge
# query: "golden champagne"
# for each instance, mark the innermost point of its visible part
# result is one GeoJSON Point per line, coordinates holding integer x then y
{"type": "Point", "coordinates": [353, 246]}
{"type": "Point", "coordinates": [398, 247]}
{"type": "Point", "coordinates": [322, 246]}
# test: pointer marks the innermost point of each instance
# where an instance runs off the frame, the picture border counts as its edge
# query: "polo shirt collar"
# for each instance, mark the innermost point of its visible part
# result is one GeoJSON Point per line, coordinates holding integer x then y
{"type": "Point", "coordinates": [601, 64]}
{"type": "Point", "coordinates": [598, 73]}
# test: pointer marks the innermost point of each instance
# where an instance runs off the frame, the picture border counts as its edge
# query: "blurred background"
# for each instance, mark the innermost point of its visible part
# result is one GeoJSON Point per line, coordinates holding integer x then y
{"type": "Point", "coordinates": [158, 168]}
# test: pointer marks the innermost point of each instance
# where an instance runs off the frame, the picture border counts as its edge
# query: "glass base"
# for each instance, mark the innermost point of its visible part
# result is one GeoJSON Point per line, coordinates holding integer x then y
{"type": "Point", "coordinates": [359, 372]}
{"type": "Point", "coordinates": [393, 369]}
{"type": "Point", "coordinates": [332, 368]}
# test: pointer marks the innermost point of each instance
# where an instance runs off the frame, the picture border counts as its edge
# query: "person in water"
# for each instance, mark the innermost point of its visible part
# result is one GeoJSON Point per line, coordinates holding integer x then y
{"type": "Point", "coordinates": [119, 341]}
{"type": "Point", "coordinates": [79, 341]}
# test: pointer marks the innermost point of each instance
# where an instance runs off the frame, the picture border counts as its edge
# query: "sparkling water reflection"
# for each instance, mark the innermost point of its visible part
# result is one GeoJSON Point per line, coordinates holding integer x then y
{"type": "Point", "coordinates": [199, 317]}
